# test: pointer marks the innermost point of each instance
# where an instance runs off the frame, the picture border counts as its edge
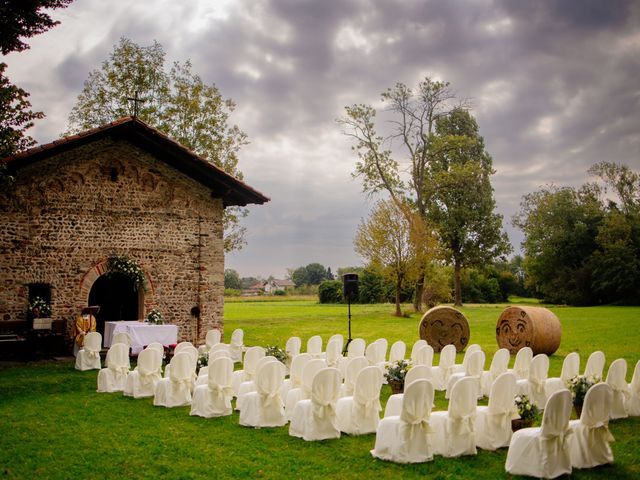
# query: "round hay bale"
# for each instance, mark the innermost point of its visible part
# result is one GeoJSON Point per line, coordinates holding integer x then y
{"type": "Point", "coordinates": [442, 326]}
{"type": "Point", "coordinates": [534, 327]}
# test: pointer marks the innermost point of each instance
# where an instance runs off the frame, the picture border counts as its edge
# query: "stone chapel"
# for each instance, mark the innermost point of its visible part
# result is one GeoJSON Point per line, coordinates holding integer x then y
{"type": "Point", "coordinates": [124, 189]}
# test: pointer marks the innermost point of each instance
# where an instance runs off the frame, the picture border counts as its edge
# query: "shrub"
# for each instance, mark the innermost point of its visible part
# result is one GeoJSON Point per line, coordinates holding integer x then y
{"type": "Point", "coordinates": [330, 291]}
{"type": "Point", "coordinates": [232, 292]}
{"type": "Point", "coordinates": [280, 293]}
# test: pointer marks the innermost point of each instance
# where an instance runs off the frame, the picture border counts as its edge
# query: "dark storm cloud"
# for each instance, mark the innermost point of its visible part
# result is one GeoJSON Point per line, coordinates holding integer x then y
{"type": "Point", "coordinates": [553, 85]}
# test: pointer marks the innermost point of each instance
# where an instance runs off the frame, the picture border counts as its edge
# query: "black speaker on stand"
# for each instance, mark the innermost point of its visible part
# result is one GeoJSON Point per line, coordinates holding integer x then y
{"type": "Point", "coordinates": [350, 290]}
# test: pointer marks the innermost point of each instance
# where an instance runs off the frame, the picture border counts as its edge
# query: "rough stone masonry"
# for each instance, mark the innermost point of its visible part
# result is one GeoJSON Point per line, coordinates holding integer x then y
{"type": "Point", "coordinates": [123, 189]}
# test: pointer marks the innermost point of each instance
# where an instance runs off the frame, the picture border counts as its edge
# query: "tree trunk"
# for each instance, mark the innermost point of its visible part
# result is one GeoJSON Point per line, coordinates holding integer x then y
{"type": "Point", "coordinates": [398, 288]}
{"type": "Point", "coordinates": [417, 299]}
{"type": "Point", "coordinates": [457, 284]}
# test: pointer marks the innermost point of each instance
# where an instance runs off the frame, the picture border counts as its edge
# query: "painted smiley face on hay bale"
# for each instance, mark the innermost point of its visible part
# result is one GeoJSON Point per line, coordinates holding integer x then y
{"type": "Point", "coordinates": [442, 326]}
{"type": "Point", "coordinates": [534, 327]}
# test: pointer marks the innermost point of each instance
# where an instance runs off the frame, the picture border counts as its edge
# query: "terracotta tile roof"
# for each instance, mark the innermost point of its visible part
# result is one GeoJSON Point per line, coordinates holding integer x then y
{"type": "Point", "coordinates": [232, 190]}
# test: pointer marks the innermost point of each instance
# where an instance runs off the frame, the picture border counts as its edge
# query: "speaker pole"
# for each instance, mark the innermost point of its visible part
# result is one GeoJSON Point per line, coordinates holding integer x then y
{"type": "Point", "coordinates": [350, 289]}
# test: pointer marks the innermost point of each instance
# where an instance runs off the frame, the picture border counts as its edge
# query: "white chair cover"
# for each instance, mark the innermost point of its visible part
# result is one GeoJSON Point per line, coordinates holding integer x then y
{"type": "Point", "coordinates": [142, 380]}
{"type": "Point", "coordinates": [633, 404]}
{"type": "Point", "coordinates": [499, 365]}
{"type": "Point", "coordinates": [591, 437]}
{"type": "Point", "coordinates": [294, 395]}
{"type": "Point", "coordinates": [175, 391]}
{"type": "Point", "coordinates": [535, 386]}
{"type": "Point", "coordinates": [493, 422]}
{"type": "Point", "coordinates": [381, 352]}
{"type": "Point", "coordinates": [295, 373]}
{"type": "Point", "coordinates": [156, 346]}
{"type": "Point", "coordinates": [394, 402]}
{"type": "Point", "coordinates": [616, 379]}
{"type": "Point", "coordinates": [88, 357]}
{"type": "Point", "coordinates": [522, 363]}
{"type": "Point", "coordinates": [459, 367]}
{"type": "Point", "coordinates": [454, 432]}
{"type": "Point", "coordinates": [398, 351]}
{"type": "Point", "coordinates": [212, 338]}
{"type": "Point", "coordinates": [251, 358]}
{"type": "Point", "coordinates": [337, 337]}
{"type": "Point", "coordinates": [315, 418]}
{"type": "Point", "coordinates": [360, 413]}
{"type": "Point", "coordinates": [264, 408]}
{"type": "Point", "coordinates": [214, 398]}
{"type": "Point", "coordinates": [314, 346]}
{"type": "Point", "coordinates": [474, 366]}
{"type": "Point", "coordinates": [113, 378]}
{"type": "Point", "coordinates": [418, 344]}
{"type": "Point", "coordinates": [443, 371]}
{"type": "Point", "coordinates": [292, 348]}
{"type": "Point", "coordinates": [407, 438]}
{"type": "Point", "coordinates": [595, 364]}
{"type": "Point", "coordinates": [371, 353]}
{"type": "Point", "coordinates": [333, 355]}
{"type": "Point", "coordinates": [423, 356]}
{"type": "Point", "coordinates": [121, 337]}
{"type": "Point", "coordinates": [250, 385]}
{"type": "Point", "coordinates": [236, 345]}
{"type": "Point", "coordinates": [570, 368]}
{"type": "Point", "coordinates": [356, 348]}
{"type": "Point", "coordinates": [182, 347]}
{"type": "Point", "coordinates": [354, 366]}
{"type": "Point", "coordinates": [544, 452]}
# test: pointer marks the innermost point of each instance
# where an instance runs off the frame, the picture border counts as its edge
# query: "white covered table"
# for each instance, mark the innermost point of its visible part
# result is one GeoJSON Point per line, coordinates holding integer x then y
{"type": "Point", "coordinates": [141, 333]}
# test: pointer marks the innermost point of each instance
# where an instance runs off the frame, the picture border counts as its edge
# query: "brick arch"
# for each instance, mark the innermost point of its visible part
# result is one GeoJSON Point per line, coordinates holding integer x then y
{"type": "Point", "coordinates": [99, 269]}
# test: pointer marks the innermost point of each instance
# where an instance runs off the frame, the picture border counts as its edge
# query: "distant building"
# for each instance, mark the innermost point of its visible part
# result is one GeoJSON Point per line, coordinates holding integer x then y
{"type": "Point", "coordinates": [123, 189]}
{"type": "Point", "coordinates": [272, 286]}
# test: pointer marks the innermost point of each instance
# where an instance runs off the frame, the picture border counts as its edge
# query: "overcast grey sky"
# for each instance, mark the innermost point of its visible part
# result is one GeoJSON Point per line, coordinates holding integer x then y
{"type": "Point", "coordinates": [554, 85]}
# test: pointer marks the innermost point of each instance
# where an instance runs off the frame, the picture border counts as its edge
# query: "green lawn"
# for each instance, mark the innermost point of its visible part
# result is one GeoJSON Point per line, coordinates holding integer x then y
{"type": "Point", "coordinates": [54, 424]}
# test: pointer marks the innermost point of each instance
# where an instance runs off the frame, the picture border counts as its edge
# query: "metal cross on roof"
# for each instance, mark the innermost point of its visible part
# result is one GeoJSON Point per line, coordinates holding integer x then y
{"type": "Point", "coordinates": [135, 99]}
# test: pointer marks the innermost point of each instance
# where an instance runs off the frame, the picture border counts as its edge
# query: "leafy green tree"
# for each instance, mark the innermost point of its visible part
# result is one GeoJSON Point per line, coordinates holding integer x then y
{"type": "Point", "coordinates": [232, 279]}
{"type": "Point", "coordinates": [15, 117]}
{"type": "Point", "coordinates": [176, 101]}
{"type": "Point", "coordinates": [19, 19]}
{"type": "Point", "coordinates": [371, 286]}
{"type": "Point", "coordinates": [460, 201]}
{"type": "Point", "coordinates": [311, 274]}
{"type": "Point", "coordinates": [560, 227]}
{"type": "Point", "coordinates": [395, 245]}
{"type": "Point", "coordinates": [24, 19]}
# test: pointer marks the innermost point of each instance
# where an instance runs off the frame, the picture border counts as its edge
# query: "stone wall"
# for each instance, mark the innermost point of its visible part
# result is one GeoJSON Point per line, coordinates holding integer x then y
{"type": "Point", "coordinates": [66, 214]}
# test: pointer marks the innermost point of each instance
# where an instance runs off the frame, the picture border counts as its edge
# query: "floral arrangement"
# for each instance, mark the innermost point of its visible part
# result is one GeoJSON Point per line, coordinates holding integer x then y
{"type": "Point", "coordinates": [579, 385]}
{"type": "Point", "coordinates": [40, 308]}
{"type": "Point", "coordinates": [127, 267]}
{"type": "Point", "coordinates": [527, 410]}
{"type": "Point", "coordinates": [396, 372]}
{"type": "Point", "coordinates": [277, 352]}
{"type": "Point", "coordinates": [155, 317]}
{"type": "Point", "coordinates": [203, 361]}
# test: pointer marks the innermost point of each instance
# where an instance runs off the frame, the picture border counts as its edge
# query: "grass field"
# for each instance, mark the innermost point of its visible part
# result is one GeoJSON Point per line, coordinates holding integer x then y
{"type": "Point", "coordinates": [54, 424]}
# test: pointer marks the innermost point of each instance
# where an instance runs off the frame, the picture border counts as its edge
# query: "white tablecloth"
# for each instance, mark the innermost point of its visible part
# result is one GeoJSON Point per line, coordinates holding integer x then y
{"type": "Point", "coordinates": [141, 333]}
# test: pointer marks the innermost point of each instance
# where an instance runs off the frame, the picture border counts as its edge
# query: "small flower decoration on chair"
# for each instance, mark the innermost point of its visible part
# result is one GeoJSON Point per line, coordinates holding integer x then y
{"type": "Point", "coordinates": [128, 267]}
{"type": "Point", "coordinates": [578, 386]}
{"type": "Point", "coordinates": [395, 374]}
{"type": "Point", "coordinates": [527, 410]}
{"type": "Point", "coordinates": [40, 308]}
{"type": "Point", "coordinates": [155, 317]}
{"type": "Point", "coordinates": [277, 352]}
{"type": "Point", "coordinates": [203, 361]}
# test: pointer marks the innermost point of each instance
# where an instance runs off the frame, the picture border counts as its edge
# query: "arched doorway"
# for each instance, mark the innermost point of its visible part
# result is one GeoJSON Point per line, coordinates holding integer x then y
{"type": "Point", "coordinates": [117, 298]}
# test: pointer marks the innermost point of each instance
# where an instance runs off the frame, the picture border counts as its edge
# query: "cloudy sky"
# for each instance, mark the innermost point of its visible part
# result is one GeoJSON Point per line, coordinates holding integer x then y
{"type": "Point", "coordinates": [554, 86]}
